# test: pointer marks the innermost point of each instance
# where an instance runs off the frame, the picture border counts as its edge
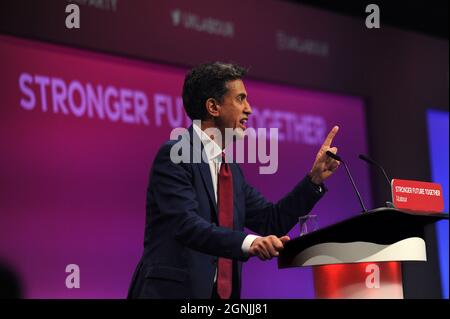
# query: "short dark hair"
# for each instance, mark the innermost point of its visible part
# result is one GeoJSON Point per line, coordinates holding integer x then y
{"type": "Point", "coordinates": [208, 81]}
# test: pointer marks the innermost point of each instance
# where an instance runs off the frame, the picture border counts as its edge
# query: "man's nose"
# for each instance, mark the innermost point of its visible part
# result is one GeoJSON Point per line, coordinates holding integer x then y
{"type": "Point", "coordinates": [248, 109]}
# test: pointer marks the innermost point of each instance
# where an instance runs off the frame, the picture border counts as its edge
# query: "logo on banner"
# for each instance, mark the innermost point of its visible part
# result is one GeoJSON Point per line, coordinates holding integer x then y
{"type": "Point", "coordinates": [287, 42]}
{"type": "Point", "coordinates": [104, 5]}
{"type": "Point", "coordinates": [50, 94]}
{"type": "Point", "coordinates": [209, 25]}
{"type": "Point", "coordinates": [176, 17]}
{"type": "Point", "coordinates": [417, 196]}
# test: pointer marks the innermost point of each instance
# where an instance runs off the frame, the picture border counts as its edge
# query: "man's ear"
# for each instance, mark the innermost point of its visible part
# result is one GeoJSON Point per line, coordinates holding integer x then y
{"type": "Point", "coordinates": [212, 107]}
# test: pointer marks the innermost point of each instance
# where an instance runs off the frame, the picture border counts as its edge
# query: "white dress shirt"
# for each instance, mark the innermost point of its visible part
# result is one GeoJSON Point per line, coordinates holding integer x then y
{"type": "Point", "coordinates": [214, 156]}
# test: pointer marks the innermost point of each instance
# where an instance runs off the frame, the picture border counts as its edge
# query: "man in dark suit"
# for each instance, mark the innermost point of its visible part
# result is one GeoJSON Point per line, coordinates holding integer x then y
{"type": "Point", "coordinates": [197, 209]}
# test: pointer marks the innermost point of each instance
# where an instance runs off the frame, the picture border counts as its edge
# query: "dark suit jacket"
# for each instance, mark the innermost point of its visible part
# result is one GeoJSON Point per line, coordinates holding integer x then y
{"type": "Point", "coordinates": [182, 239]}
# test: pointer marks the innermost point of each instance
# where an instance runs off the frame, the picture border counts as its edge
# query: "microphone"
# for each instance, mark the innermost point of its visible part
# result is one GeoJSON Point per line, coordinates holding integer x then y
{"type": "Point", "coordinates": [372, 162]}
{"type": "Point", "coordinates": [338, 158]}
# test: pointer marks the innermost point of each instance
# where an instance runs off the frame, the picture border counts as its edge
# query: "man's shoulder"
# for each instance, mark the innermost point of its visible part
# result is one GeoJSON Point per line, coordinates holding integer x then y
{"type": "Point", "coordinates": [179, 150]}
{"type": "Point", "coordinates": [167, 145]}
{"type": "Point", "coordinates": [181, 139]}
{"type": "Point", "coordinates": [166, 148]}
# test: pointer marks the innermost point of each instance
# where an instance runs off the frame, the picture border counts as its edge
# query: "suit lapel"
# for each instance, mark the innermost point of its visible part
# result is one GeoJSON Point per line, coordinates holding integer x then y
{"type": "Point", "coordinates": [207, 180]}
{"type": "Point", "coordinates": [203, 167]}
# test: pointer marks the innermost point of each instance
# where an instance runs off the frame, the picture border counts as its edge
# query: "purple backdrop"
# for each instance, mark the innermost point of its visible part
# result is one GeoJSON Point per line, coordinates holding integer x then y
{"type": "Point", "coordinates": [78, 133]}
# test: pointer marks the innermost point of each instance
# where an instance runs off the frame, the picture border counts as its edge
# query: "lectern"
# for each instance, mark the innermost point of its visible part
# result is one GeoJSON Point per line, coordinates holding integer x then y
{"type": "Point", "coordinates": [357, 257]}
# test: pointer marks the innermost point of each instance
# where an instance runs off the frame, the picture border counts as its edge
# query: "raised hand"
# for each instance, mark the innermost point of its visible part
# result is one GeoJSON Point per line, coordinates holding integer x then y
{"type": "Point", "coordinates": [324, 166]}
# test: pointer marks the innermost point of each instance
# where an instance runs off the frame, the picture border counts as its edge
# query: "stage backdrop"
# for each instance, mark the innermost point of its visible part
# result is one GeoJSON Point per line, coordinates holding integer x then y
{"type": "Point", "coordinates": [78, 134]}
{"type": "Point", "coordinates": [438, 143]}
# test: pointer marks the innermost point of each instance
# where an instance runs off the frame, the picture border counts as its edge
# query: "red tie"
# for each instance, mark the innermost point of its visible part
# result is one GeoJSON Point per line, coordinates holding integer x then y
{"type": "Point", "coordinates": [225, 204]}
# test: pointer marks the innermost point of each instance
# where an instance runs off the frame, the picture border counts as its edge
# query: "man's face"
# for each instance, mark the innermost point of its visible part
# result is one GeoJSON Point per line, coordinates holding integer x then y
{"type": "Point", "coordinates": [234, 110]}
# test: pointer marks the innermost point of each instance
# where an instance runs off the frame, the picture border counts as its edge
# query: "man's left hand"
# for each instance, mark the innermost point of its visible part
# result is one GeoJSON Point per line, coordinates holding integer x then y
{"type": "Point", "coordinates": [324, 165]}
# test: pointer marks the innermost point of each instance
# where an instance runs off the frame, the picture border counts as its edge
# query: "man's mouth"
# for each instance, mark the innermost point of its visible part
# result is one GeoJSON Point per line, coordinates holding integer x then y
{"type": "Point", "coordinates": [243, 123]}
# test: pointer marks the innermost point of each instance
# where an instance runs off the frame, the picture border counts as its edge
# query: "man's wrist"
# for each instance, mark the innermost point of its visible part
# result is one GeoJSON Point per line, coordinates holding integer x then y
{"type": "Point", "coordinates": [315, 179]}
{"type": "Point", "coordinates": [247, 243]}
{"type": "Point", "coordinates": [317, 184]}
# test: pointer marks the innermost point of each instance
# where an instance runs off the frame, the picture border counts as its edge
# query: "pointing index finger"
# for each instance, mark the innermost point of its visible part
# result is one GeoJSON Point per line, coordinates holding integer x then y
{"type": "Point", "coordinates": [330, 137]}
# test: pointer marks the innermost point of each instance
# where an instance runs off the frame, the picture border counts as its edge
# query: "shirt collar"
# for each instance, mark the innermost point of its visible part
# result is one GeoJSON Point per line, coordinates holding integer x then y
{"type": "Point", "coordinates": [212, 150]}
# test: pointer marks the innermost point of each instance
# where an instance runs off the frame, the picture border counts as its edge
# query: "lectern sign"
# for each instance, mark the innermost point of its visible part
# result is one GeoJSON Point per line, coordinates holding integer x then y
{"type": "Point", "coordinates": [417, 196]}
